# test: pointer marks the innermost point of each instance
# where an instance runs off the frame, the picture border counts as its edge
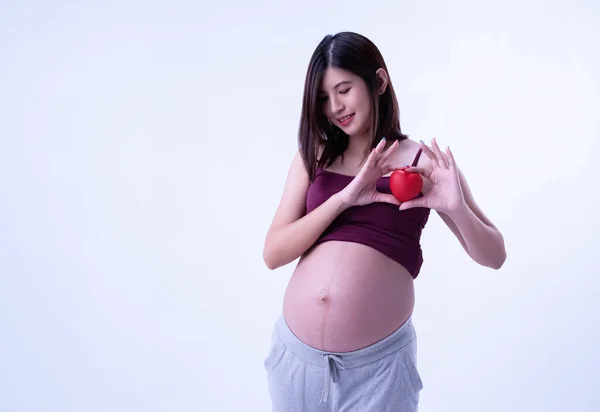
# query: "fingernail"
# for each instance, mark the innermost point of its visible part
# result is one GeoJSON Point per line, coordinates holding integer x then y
{"type": "Point", "coordinates": [421, 141]}
{"type": "Point", "coordinates": [383, 138]}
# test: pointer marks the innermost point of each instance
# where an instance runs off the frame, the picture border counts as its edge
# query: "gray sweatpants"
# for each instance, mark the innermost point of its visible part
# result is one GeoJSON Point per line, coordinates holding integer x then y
{"type": "Point", "coordinates": [382, 377]}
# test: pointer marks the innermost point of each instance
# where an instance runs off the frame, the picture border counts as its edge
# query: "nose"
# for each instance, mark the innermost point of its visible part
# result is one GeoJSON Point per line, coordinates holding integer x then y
{"type": "Point", "coordinates": [336, 105]}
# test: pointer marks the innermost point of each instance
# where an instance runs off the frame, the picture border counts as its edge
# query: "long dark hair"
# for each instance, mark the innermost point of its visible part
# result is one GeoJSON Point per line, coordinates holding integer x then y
{"type": "Point", "coordinates": [357, 54]}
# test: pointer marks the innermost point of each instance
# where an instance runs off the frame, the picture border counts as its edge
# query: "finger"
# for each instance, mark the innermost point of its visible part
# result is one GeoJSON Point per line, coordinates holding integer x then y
{"type": "Point", "coordinates": [419, 202]}
{"type": "Point", "coordinates": [385, 198]}
{"type": "Point", "coordinates": [446, 158]}
{"type": "Point", "coordinates": [420, 170]}
{"type": "Point", "coordinates": [430, 154]}
{"type": "Point", "coordinates": [373, 156]}
{"type": "Point", "coordinates": [441, 158]}
{"type": "Point", "coordinates": [371, 159]}
{"type": "Point", "coordinates": [388, 168]}
{"type": "Point", "coordinates": [451, 161]}
{"type": "Point", "coordinates": [386, 155]}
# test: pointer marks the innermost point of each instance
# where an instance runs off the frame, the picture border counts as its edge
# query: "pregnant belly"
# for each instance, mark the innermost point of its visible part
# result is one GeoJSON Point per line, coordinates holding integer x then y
{"type": "Point", "coordinates": [344, 296]}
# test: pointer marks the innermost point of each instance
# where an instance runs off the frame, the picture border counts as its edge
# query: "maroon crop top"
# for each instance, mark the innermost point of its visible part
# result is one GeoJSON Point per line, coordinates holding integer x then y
{"type": "Point", "coordinates": [381, 226]}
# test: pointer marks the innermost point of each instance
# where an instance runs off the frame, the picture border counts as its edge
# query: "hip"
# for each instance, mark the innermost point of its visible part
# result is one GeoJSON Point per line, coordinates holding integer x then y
{"type": "Point", "coordinates": [380, 377]}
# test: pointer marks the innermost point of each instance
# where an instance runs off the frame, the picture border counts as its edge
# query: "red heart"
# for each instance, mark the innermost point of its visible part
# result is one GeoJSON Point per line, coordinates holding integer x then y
{"type": "Point", "coordinates": [405, 185]}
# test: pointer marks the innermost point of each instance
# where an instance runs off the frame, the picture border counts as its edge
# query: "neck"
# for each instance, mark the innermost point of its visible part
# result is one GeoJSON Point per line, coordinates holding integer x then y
{"type": "Point", "coordinates": [358, 144]}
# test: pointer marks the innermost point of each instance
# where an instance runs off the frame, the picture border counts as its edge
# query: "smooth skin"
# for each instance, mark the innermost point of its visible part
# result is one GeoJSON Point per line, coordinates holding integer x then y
{"type": "Point", "coordinates": [344, 296]}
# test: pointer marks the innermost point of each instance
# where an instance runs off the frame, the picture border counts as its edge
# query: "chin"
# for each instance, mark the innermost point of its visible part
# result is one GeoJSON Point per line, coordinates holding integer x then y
{"type": "Point", "coordinates": [355, 129]}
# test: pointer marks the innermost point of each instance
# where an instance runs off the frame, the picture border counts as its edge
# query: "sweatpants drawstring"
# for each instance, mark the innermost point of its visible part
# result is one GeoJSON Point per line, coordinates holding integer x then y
{"type": "Point", "coordinates": [331, 373]}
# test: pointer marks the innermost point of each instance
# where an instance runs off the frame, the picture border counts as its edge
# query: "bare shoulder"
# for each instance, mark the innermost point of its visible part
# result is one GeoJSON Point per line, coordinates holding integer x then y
{"type": "Point", "coordinates": [292, 203]}
{"type": "Point", "coordinates": [297, 170]}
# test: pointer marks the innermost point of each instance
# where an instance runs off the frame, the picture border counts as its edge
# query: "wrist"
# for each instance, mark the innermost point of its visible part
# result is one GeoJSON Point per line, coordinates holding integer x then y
{"type": "Point", "coordinates": [340, 201]}
{"type": "Point", "coordinates": [460, 212]}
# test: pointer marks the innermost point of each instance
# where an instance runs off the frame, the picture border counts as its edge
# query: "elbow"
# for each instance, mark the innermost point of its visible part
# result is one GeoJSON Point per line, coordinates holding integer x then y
{"type": "Point", "coordinates": [271, 265]}
{"type": "Point", "coordinates": [498, 256]}
{"type": "Point", "coordinates": [498, 264]}
{"type": "Point", "coordinates": [269, 259]}
{"type": "Point", "coordinates": [275, 254]}
{"type": "Point", "coordinates": [491, 264]}
{"type": "Point", "coordinates": [498, 261]}
{"type": "Point", "coordinates": [501, 261]}
{"type": "Point", "coordinates": [502, 254]}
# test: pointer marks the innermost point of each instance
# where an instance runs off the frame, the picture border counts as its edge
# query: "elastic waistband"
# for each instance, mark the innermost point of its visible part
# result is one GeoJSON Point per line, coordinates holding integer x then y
{"type": "Point", "coordinates": [386, 346]}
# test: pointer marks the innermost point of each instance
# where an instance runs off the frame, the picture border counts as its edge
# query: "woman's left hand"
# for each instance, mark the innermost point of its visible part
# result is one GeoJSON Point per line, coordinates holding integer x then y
{"type": "Point", "coordinates": [446, 195]}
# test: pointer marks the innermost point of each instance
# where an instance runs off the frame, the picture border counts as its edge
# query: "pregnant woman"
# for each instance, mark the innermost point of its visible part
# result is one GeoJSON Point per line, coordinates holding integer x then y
{"type": "Point", "coordinates": [345, 340]}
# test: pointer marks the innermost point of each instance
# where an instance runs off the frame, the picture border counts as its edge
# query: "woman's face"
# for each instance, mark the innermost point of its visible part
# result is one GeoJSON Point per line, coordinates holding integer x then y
{"type": "Point", "coordinates": [346, 101]}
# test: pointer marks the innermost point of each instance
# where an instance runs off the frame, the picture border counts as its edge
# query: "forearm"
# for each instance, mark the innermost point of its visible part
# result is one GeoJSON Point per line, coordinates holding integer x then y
{"type": "Point", "coordinates": [484, 243]}
{"type": "Point", "coordinates": [285, 244]}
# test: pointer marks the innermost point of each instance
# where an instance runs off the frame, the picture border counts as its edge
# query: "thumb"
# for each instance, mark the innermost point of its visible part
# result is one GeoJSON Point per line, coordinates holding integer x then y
{"type": "Point", "coordinates": [413, 203]}
{"type": "Point", "coordinates": [385, 198]}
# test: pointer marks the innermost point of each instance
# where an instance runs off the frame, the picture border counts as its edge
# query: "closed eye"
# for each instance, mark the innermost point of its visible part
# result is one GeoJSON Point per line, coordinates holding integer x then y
{"type": "Point", "coordinates": [324, 98]}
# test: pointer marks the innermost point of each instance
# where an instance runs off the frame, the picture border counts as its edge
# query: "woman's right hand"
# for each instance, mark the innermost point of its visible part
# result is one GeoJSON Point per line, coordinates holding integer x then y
{"type": "Point", "coordinates": [362, 189]}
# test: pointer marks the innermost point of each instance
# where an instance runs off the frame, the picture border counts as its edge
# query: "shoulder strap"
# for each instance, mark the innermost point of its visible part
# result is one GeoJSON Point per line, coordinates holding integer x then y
{"type": "Point", "coordinates": [417, 158]}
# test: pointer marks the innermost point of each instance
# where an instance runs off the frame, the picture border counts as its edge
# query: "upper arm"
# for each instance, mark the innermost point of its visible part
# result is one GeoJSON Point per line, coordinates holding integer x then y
{"type": "Point", "coordinates": [292, 205]}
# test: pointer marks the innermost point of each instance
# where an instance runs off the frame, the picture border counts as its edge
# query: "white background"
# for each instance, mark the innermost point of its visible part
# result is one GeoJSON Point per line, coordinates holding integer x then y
{"type": "Point", "coordinates": [144, 147]}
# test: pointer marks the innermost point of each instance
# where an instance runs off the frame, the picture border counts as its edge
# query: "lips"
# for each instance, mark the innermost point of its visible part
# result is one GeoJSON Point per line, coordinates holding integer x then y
{"type": "Point", "coordinates": [345, 121]}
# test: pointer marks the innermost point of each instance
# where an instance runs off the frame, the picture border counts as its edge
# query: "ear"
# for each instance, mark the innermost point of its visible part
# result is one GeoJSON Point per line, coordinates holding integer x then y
{"type": "Point", "coordinates": [382, 80]}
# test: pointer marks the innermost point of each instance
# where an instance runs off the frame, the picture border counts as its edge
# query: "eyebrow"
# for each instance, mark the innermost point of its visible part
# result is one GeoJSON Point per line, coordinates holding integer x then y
{"type": "Point", "coordinates": [341, 83]}
{"type": "Point", "coordinates": [338, 85]}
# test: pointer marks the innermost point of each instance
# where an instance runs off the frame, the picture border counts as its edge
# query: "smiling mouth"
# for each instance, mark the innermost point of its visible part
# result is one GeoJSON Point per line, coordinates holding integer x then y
{"type": "Point", "coordinates": [343, 119]}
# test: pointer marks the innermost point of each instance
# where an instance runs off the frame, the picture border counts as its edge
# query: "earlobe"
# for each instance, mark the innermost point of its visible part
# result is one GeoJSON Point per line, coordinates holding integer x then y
{"type": "Point", "coordinates": [382, 80]}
